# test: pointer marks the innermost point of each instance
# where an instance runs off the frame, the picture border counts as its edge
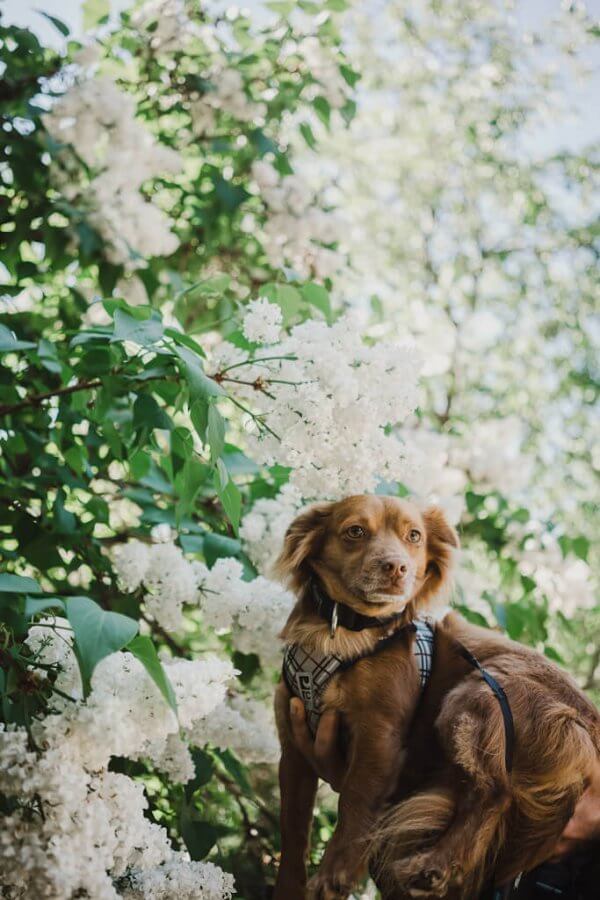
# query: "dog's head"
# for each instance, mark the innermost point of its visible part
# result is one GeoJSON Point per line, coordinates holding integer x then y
{"type": "Point", "coordinates": [370, 552]}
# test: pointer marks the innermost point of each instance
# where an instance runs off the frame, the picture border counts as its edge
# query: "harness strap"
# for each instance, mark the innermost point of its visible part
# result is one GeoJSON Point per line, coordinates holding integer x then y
{"type": "Point", "coordinates": [498, 691]}
{"type": "Point", "coordinates": [307, 674]}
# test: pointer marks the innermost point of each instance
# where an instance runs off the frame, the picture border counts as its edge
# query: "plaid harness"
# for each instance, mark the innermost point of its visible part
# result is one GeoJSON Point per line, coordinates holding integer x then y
{"type": "Point", "coordinates": [308, 674]}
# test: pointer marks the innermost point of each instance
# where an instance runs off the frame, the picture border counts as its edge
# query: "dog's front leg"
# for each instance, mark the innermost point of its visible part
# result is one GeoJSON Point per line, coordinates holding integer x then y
{"type": "Point", "coordinates": [375, 761]}
{"type": "Point", "coordinates": [298, 786]}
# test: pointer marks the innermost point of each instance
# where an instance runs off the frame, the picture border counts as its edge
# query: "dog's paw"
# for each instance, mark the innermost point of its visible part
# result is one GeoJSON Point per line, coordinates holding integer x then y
{"type": "Point", "coordinates": [422, 876]}
{"type": "Point", "coordinates": [334, 886]}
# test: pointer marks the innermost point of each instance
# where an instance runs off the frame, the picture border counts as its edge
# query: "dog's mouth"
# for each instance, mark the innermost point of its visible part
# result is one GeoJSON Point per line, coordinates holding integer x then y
{"type": "Point", "coordinates": [399, 599]}
{"type": "Point", "coordinates": [398, 594]}
{"type": "Point", "coordinates": [371, 588]}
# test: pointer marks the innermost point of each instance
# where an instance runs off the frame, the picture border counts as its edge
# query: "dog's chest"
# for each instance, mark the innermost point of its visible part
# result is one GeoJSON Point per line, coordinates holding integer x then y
{"type": "Point", "coordinates": [308, 674]}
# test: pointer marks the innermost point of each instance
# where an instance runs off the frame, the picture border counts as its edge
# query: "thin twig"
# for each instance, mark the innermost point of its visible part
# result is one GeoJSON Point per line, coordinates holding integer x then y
{"type": "Point", "coordinates": [252, 362]}
{"type": "Point", "coordinates": [590, 681]}
{"type": "Point", "coordinates": [88, 384]}
{"type": "Point", "coordinates": [164, 635]}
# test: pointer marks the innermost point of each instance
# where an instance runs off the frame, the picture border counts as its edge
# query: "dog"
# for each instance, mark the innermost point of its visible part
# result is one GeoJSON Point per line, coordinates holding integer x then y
{"type": "Point", "coordinates": [430, 801]}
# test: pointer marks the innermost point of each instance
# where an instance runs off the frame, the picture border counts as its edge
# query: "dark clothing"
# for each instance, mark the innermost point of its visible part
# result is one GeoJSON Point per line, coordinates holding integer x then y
{"type": "Point", "coordinates": [577, 877]}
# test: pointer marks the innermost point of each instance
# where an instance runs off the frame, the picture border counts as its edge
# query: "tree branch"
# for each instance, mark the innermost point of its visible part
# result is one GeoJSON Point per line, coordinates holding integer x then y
{"type": "Point", "coordinates": [36, 399]}
{"type": "Point", "coordinates": [85, 385]}
{"type": "Point", "coordinates": [171, 643]}
{"type": "Point", "coordinates": [590, 681]}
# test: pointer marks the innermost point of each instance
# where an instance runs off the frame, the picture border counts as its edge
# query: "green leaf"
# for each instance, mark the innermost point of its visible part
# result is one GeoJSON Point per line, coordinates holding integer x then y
{"type": "Point", "coordinates": [553, 654]}
{"type": "Point", "coordinates": [65, 522]}
{"type": "Point", "coordinates": [76, 457]}
{"type": "Point", "coordinates": [94, 11]}
{"type": "Point", "coordinates": [217, 546]}
{"type": "Point", "coordinates": [238, 463]}
{"type": "Point", "coordinates": [143, 648]}
{"type": "Point", "coordinates": [581, 547]}
{"type": "Point", "coordinates": [236, 769]}
{"type": "Point", "coordinates": [201, 387]}
{"type": "Point", "coordinates": [199, 416]}
{"type": "Point", "coordinates": [349, 75]}
{"type": "Point", "coordinates": [139, 463]}
{"type": "Point", "coordinates": [218, 284]}
{"type": "Point", "coordinates": [221, 475]}
{"type": "Point", "coordinates": [515, 621]}
{"type": "Point", "coordinates": [471, 616]}
{"type": "Point", "coordinates": [192, 477]}
{"type": "Point", "coordinates": [148, 414]}
{"type": "Point", "coordinates": [308, 135]}
{"type": "Point", "coordinates": [204, 768]}
{"type": "Point", "coordinates": [18, 584]}
{"type": "Point", "coordinates": [348, 111]}
{"type": "Point", "coordinates": [35, 605]}
{"type": "Point", "coordinates": [185, 341]}
{"type": "Point", "coordinates": [528, 583]}
{"type": "Point", "coordinates": [199, 836]}
{"type": "Point", "coordinates": [322, 109]}
{"type": "Point", "coordinates": [229, 195]}
{"type": "Point", "coordinates": [282, 7]}
{"type": "Point", "coordinates": [97, 632]}
{"type": "Point", "coordinates": [247, 664]}
{"type": "Point", "coordinates": [215, 432]}
{"type": "Point", "coordinates": [144, 332]}
{"type": "Point", "coordinates": [58, 24]}
{"type": "Point", "coordinates": [316, 295]}
{"type": "Point", "coordinates": [86, 337]}
{"type": "Point", "coordinates": [287, 297]}
{"type": "Point", "coordinates": [182, 443]}
{"type": "Point", "coordinates": [231, 499]}
{"type": "Point", "coordinates": [9, 343]}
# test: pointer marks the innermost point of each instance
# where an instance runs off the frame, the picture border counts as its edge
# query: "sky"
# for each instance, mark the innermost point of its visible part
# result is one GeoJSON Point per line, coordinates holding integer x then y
{"type": "Point", "coordinates": [530, 13]}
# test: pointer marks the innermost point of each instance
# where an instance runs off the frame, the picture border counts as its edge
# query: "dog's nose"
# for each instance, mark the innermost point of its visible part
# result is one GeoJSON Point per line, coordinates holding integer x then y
{"type": "Point", "coordinates": [394, 567]}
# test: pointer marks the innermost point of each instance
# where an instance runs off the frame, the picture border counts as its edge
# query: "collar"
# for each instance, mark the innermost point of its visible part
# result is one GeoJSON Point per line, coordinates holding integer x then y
{"type": "Point", "coordinates": [338, 614]}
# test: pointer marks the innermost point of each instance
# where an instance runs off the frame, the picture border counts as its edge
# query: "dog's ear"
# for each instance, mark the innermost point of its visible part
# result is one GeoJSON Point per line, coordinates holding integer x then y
{"type": "Point", "coordinates": [301, 541]}
{"type": "Point", "coordinates": [442, 540]}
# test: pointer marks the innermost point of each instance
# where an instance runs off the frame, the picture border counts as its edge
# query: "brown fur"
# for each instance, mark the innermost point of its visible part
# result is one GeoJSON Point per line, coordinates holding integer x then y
{"type": "Point", "coordinates": [426, 798]}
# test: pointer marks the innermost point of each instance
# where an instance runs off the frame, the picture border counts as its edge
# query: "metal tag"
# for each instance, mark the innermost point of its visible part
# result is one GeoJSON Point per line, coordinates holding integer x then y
{"type": "Point", "coordinates": [334, 621]}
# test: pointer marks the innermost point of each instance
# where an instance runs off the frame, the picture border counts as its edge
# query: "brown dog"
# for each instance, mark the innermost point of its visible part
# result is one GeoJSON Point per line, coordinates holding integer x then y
{"type": "Point", "coordinates": [427, 798]}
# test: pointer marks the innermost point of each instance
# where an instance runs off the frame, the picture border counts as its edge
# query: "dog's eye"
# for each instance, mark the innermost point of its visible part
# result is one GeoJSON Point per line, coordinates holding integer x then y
{"type": "Point", "coordinates": [355, 531]}
{"type": "Point", "coordinates": [414, 535]}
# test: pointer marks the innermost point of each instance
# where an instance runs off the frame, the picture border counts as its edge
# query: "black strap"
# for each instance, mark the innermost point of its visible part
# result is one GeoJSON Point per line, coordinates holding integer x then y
{"type": "Point", "coordinates": [498, 690]}
{"type": "Point", "coordinates": [346, 617]}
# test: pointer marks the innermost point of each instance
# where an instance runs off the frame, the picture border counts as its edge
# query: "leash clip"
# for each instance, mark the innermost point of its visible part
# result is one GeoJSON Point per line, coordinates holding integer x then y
{"type": "Point", "coordinates": [334, 621]}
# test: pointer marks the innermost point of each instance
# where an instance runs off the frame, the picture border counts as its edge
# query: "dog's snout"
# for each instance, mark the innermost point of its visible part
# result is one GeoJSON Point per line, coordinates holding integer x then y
{"type": "Point", "coordinates": [394, 567]}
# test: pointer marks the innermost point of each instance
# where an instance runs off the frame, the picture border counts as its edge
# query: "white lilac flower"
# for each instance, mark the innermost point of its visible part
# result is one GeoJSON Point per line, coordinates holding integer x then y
{"type": "Point", "coordinates": [51, 639]}
{"type": "Point", "coordinates": [333, 398]}
{"type": "Point", "coordinates": [131, 562]}
{"type": "Point", "coordinates": [262, 321]}
{"type": "Point", "coordinates": [296, 227]}
{"type": "Point", "coordinates": [243, 725]}
{"type": "Point", "coordinates": [170, 584]}
{"type": "Point", "coordinates": [181, 879]}
{"type": "Point", "coordinates": [166, 23]}
{"type": "Point", "coordinates": [98, 121]}
{"type": "Point", "coordinates": [492, 453]}
{"type": "Point", "coordinates": [254, 611]}
{"type": "Point", "coordinates": [78, 827]}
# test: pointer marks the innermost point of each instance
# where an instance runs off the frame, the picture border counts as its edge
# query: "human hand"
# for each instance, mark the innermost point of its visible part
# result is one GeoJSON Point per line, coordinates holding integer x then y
{"type": "Point", "coordinates": [323, 753]}
{"type": "Point", "coordinates": [584, 824]}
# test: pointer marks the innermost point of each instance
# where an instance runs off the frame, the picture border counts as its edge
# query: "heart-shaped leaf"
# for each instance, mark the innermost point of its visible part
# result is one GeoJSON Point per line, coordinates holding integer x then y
{"type": "Point", "coordinates": [98, 632]}
{"type": "Point", "coordinates": [18, 584]}
{"type": "Point", "coordinates": [143, 648]}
